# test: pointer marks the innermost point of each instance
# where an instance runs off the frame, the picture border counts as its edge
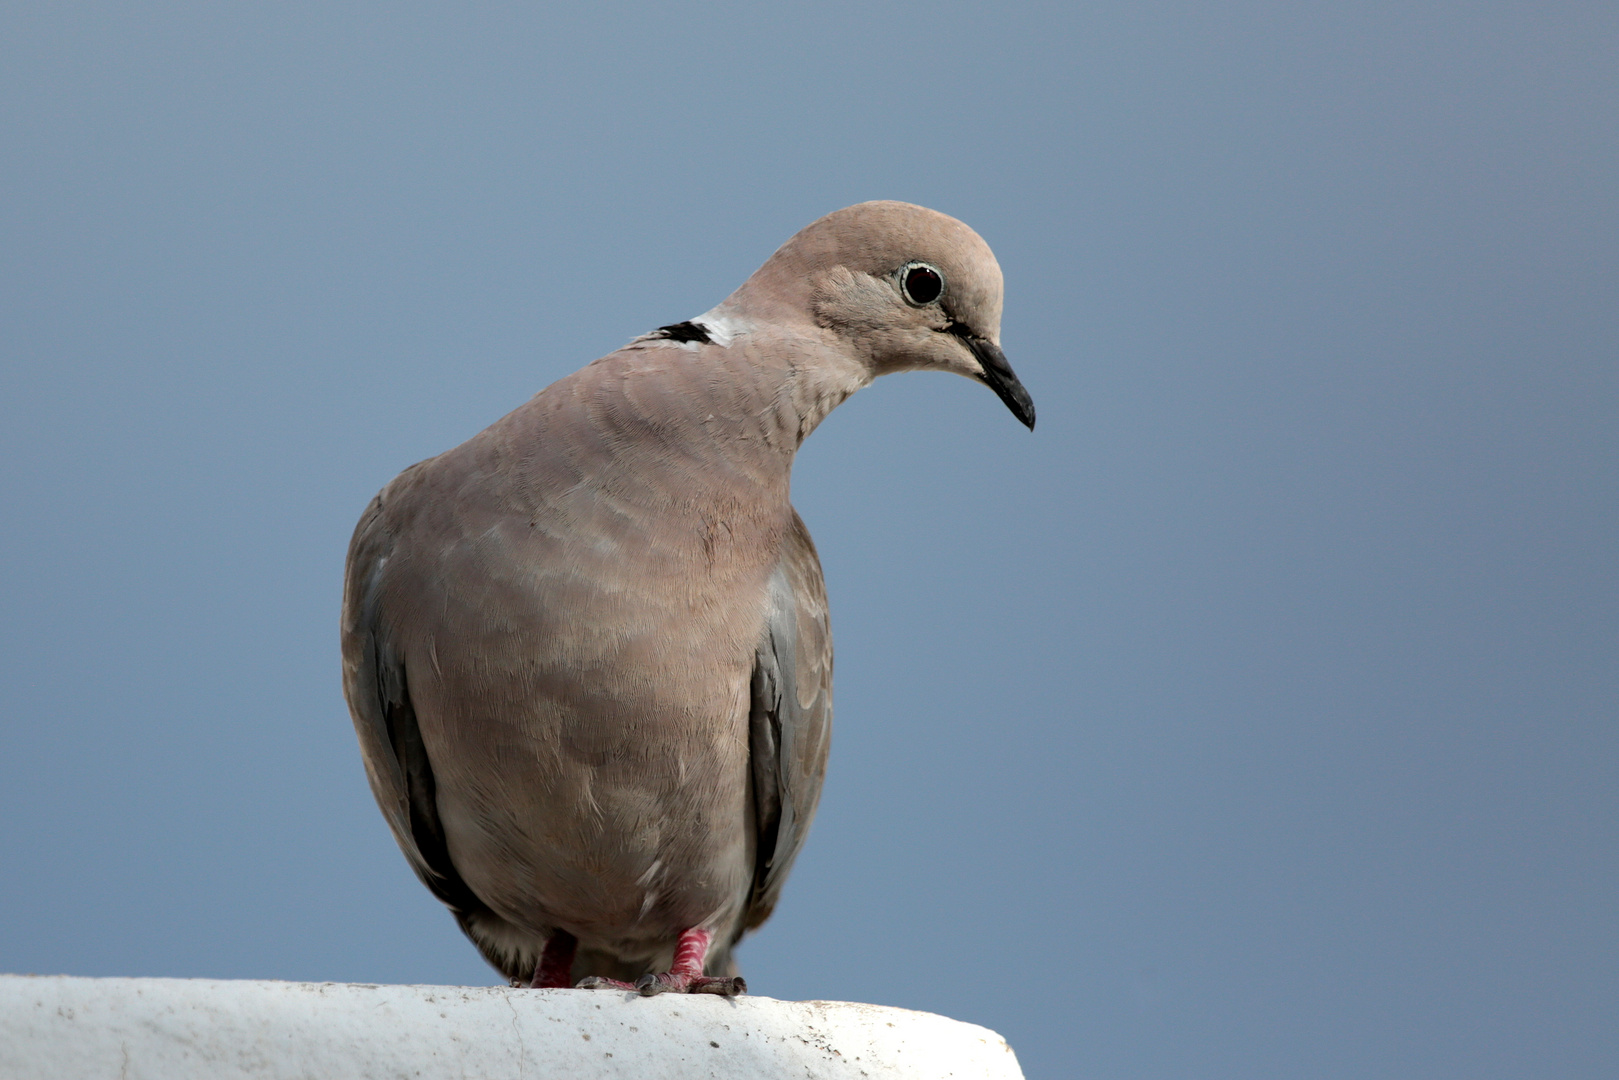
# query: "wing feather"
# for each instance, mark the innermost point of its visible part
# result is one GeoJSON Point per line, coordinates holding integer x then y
{"type": "Point", "coordinates": [377, 687]}
{"type": "Point", "coordinates": [790, 722]}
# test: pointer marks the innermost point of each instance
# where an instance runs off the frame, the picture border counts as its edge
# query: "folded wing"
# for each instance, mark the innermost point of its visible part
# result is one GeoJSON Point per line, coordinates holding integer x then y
{"type": "Point", "coordinates": [790, 723]}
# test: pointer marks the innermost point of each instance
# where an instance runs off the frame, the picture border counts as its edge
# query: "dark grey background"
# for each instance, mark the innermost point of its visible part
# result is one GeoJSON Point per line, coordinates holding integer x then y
{"type": "Point", "coordinates": [1255, 717]}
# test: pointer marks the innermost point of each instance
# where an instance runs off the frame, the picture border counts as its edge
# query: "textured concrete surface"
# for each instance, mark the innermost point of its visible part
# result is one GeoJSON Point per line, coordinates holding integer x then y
{"type": "Point", "coordinates": [56, 1027]}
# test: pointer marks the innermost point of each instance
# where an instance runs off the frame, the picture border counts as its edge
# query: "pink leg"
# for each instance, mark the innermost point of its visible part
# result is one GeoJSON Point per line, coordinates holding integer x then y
{"type": "Point", "coordinates": [555, 969]}
{"type": "Point", "coordinates": [685, 976]}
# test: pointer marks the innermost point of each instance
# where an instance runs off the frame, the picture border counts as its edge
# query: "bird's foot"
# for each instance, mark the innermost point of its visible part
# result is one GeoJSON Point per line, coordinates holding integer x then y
{"type": "Point", "coordinates": [685, 976]}
{"type": "Point", "coordinates": [670, 982]}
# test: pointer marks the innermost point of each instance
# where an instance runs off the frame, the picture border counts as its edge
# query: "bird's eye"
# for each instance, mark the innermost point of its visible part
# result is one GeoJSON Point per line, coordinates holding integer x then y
{"type": "Point", "coordinates": [922, 284]}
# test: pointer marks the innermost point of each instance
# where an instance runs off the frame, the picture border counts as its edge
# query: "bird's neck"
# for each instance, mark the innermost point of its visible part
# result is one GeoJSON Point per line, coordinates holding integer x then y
{"type": "Point", "coordinates": [725, 417]}
{"type": "Point", "coordinates": [797, 371]}
{"type": "Point", "coordinates": [815, 390]}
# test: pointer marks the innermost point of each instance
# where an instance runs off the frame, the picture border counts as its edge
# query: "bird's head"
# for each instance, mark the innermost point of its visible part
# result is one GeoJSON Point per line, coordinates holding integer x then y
{"type": "Point", "coordinates": [900, 288]}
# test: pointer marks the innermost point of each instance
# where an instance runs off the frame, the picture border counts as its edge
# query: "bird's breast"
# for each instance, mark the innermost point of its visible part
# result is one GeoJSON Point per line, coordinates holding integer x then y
{"type": "Point", "coordinates": [580, 671]}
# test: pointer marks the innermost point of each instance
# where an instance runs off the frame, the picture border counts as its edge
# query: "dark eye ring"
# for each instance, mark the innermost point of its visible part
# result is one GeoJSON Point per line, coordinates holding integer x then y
{"type": "Point", "coordinates": [921, 283]}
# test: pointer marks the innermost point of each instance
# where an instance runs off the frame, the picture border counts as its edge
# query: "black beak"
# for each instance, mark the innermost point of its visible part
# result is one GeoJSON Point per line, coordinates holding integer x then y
{"type": "Point", "coordinates": [998, 376]}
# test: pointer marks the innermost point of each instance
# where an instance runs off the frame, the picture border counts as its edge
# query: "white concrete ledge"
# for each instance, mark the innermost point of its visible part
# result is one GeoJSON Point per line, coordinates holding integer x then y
{"type": "Point", "coordinates": [63, 1028]}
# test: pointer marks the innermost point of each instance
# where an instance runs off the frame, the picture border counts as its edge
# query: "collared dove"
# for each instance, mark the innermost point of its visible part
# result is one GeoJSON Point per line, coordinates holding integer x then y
{"type": "Point", "coordinates": [587, 651]}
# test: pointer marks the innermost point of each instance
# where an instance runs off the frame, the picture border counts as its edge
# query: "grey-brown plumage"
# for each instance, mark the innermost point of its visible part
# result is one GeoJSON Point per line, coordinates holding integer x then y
{"type": "Point", "coordinates": [587, 651]}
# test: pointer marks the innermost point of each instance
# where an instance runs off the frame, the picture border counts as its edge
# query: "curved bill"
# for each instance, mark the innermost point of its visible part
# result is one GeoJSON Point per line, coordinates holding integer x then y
{"type": "Point", "coordinates": [999, 377]}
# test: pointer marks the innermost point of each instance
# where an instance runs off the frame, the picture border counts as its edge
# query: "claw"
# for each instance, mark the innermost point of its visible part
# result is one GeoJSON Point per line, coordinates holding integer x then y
{"type": "Point", "coordinates": [731, 987]}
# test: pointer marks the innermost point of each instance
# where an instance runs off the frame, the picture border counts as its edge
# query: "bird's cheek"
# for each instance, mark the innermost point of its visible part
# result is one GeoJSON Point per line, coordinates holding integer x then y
{"type": "Point", "coordinates": [918, 352]}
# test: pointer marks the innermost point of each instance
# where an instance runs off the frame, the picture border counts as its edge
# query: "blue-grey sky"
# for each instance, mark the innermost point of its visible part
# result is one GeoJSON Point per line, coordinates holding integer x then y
{"type": "Point", "coordinates": [1256, 716]}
